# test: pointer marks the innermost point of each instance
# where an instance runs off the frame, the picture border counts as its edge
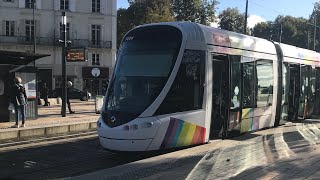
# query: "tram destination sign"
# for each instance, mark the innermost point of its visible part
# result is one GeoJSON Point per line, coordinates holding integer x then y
{"type": "Point", "coordinates": [74, 55]}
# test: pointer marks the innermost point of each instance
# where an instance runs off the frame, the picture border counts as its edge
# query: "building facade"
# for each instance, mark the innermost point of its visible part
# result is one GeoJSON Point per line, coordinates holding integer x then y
{"type": "Point", "coordinates": [28, 25]}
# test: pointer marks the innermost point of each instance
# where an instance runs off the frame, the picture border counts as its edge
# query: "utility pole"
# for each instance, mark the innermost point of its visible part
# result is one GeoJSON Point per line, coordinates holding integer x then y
{"type": "Point", "coordinates": [315, 29]}
{"type": "Point", "coordinates": [63, 58]}
{"type": "Point", "coordinates": [245, 19]}
{"type": "Point", "coordinates": [280, 33]}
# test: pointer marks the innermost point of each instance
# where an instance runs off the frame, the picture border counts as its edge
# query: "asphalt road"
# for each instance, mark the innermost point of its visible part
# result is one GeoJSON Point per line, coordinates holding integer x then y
{"type": "Point", "coordinates": [59, 158]}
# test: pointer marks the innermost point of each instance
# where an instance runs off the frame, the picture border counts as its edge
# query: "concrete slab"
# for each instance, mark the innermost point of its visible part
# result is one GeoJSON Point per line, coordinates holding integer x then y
{"type": "Point", "coordinates": [31, 132]}
{"type": "Point", "coordinates": [57, 130]}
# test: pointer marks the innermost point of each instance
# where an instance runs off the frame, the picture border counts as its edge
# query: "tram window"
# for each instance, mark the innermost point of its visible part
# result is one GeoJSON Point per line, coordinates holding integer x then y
{"type": "Point", "coordinates": [248, 84]}
{"type": "Point", "coordinates": [186, 92]}
{"type": "Point", "coordinates": [264, 90]}
{"type": "Point", "coordinates": [235, 84]}
{"type": "Point", "coordinates": [285, 91]}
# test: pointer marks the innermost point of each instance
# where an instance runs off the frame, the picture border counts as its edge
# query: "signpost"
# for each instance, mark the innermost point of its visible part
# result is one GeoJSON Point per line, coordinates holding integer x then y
{"type": "Point", "coordinates": [74, 55]}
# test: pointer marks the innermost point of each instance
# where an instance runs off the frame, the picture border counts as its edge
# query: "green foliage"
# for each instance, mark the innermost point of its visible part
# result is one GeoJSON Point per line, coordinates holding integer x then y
{"type": "Point", "coordinates": [141, 12]}
{"type": "Point", "coordinates": [186, 10]}
{"type": "Point", "coordinates": [123, 24]}
{"type": "Point", "coordinates": [231, 19]}
{"type": "Point", "coordinates": [207, 12]}
{"type": "Point", "coordinates": [200, 11]}
{"type": "Point", "coordinates": [151, 11]}
{"type": "Point", "coordinates": [287, 29]}
{"type": "Point", "coordinates": [263, 30]}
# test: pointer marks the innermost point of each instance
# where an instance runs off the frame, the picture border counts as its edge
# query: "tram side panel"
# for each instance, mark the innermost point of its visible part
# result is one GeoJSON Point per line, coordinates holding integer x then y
{"type": "Point", "coordinates": [256, 95]}
{"type": "Point", "coordinates": [182, 112]}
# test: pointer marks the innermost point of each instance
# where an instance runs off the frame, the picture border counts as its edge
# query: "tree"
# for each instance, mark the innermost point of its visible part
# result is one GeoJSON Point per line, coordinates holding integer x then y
{"type": "Point", "coordinates": [123, 24]}
{"type": "Point", "coordinates": [159, 11]}
{"type": "Point", "coordinates": [186, 10]}
{"type": "Point", "coordinates": [141, 12]}
{"type": "Point", "coordinates": [263, 30]}
{"type": "Point", "coordinates": [200, 11]}
{"type": "Point", "coordinates": [231, 19]}
{"type": "Point", "coordinates": [207, 12]}
{"type": "Point", "coordinates": [287, 29]}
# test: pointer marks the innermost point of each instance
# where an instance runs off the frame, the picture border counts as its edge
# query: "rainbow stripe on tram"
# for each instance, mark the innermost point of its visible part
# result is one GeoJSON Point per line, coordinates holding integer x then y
{"type": "Point", "coordinates": [181, 133]}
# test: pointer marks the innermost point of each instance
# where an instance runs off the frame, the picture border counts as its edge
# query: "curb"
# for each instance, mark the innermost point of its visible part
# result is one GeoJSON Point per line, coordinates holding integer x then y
{"type": "Point", "coordinates": [46, 131]}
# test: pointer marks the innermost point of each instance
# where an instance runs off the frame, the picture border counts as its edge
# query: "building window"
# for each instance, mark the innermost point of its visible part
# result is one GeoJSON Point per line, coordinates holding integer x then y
{"type": "Point", "coordinates": [9, 28]}
{"type": "Point", "coordinates": [7, 0]}
{"type": "Point", "coordinates": [30, 4]}
{"type": "Point", "coordinates": [96, 59]}
{"type": "Point", "coordinates": [68, 31]}
{"type": "Point", "coordinates": [95, 34]}
{"type": "Point", "coordinates": [64, 4]}
{"type": "Point", "coordinates": [29, 30]}
{"type": "Point", "coordinates": [95, 5]}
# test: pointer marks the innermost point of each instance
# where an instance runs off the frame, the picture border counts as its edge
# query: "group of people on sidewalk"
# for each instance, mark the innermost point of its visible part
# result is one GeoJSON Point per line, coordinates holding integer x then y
{"type": "Point", "coordinates": [18, 100]}
{"type": "Point", "coordinates": [45, 95]}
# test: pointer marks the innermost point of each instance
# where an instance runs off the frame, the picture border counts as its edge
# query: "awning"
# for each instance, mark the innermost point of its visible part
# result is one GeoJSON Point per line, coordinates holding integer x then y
{"type": "Point", "coordinates": [18, 58]}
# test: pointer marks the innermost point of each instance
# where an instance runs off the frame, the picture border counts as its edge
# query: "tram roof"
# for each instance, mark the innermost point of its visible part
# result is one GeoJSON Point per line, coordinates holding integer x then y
{"type": "Point", "coordinates": [299, 53]}
{"type": "Point", "coordinates": [217, 37]}
{"type": "Point", "coordinates": [213, 36]}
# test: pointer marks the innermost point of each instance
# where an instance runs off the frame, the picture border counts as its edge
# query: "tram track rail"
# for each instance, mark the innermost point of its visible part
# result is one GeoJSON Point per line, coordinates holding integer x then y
{"type": "Point", "coordinates": [85, 156]}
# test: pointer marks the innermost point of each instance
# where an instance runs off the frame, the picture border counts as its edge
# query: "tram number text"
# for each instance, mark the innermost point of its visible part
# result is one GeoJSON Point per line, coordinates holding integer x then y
{"type": "Point", "coordinates": [130, 38]}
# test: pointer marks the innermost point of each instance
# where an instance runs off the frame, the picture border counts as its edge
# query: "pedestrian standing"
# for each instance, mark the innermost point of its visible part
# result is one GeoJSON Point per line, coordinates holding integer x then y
{"type": "Point", "coordinates": [69, 84]}
{"type": "Point", "coordinates": [45, 94]}
{"type": "Point", "coordinates": [19, 100]}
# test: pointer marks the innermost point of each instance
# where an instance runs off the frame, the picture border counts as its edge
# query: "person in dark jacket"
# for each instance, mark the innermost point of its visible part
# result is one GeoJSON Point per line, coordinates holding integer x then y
{"type": "Point", "coordinates": [44, 94]}
{"type": "Point", "coordinates": [19, 100]}
{"type": "Point", "coordinates": [69, 84]}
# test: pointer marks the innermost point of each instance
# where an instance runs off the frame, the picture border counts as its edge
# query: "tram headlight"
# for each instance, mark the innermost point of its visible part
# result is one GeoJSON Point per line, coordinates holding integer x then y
{"type": "Point", "coordinates": [126, 128]}
{"type": "Point", "coordinates": [149, 124]}
{"type": "Point", "coordinates": [134, 127]}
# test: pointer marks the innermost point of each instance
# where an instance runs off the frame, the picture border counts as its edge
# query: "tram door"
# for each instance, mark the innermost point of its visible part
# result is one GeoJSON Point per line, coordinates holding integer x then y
{"type": "Point", "coordinates": [316, 109]}
{"type": "Point", "coordinates": [294, 91]}
{"type": "Point", "coordinates": [219, 114]}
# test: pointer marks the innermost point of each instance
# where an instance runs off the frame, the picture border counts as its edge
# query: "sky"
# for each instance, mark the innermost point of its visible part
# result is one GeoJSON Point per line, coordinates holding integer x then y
{"type": "Point", "coordinates": [262, 10]}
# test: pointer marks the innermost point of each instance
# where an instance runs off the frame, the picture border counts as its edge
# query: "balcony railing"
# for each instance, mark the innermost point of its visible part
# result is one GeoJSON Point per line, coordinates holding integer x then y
{"type": "Point", "coordinates": [89, 43]}
{"type": "Point", "coordinates": [45, 41]}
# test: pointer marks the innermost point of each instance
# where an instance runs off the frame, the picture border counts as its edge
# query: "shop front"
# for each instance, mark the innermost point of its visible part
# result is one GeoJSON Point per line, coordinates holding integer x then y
{"type": "Point", "coordinates": [95, 80]}
{"type": "Point", "coordinates": [13, 64]}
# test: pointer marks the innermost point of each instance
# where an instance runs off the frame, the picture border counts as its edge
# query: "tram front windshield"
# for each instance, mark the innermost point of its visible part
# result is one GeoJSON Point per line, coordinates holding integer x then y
{"type": "Point", "coordinates": [145, 62]}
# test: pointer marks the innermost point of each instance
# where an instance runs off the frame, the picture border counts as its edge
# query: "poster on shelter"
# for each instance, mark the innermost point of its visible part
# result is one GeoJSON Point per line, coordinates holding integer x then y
{"type": "Point", "coordinates": [29, 82]}
{"type": "Point", "coordinates": [31, 89]}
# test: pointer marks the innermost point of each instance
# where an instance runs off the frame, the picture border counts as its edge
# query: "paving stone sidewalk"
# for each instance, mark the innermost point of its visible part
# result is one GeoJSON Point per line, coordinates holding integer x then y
{"type": "Point", "coordinates": [50, 115]}
{"type": "Point", "coordinates": [50, 122]}
{"type": "Point", "coordinates": [291, 151]}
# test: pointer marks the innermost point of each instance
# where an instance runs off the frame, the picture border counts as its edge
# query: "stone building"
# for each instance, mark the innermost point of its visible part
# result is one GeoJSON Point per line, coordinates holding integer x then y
{"type": "Point", "coordinates": [91, 26]}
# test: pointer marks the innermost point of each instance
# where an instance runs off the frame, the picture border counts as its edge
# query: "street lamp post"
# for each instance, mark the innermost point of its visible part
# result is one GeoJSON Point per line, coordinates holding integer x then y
{"type": "Point", "coordinates": [63, 58]}
{"type": "Point", "coordinates": [314, 35]}
{"type": "Point", "coordinates": [315, 31]}
{"type": "Point", "coordinates": [245, 19]}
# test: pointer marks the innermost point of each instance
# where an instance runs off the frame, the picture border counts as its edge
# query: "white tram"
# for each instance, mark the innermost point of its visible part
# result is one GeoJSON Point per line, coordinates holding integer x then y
{"type": "Point", "coordinates": [180, 84]}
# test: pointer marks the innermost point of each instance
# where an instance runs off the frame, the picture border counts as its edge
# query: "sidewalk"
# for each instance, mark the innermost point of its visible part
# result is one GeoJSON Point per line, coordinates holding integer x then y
{"type": "Point", "coordinates": [50, 122]}
{"type": "Point", "coordinates": [287, 152]}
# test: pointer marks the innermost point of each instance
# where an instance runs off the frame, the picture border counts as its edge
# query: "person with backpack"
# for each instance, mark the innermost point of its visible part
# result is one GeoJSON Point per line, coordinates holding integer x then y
{"type": "Point", "coordinates": [19, 100]}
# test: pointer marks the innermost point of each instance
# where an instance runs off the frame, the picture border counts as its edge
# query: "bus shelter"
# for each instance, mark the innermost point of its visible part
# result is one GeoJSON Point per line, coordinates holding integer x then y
{"type": "Point", "coordinates": [20, 64]}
